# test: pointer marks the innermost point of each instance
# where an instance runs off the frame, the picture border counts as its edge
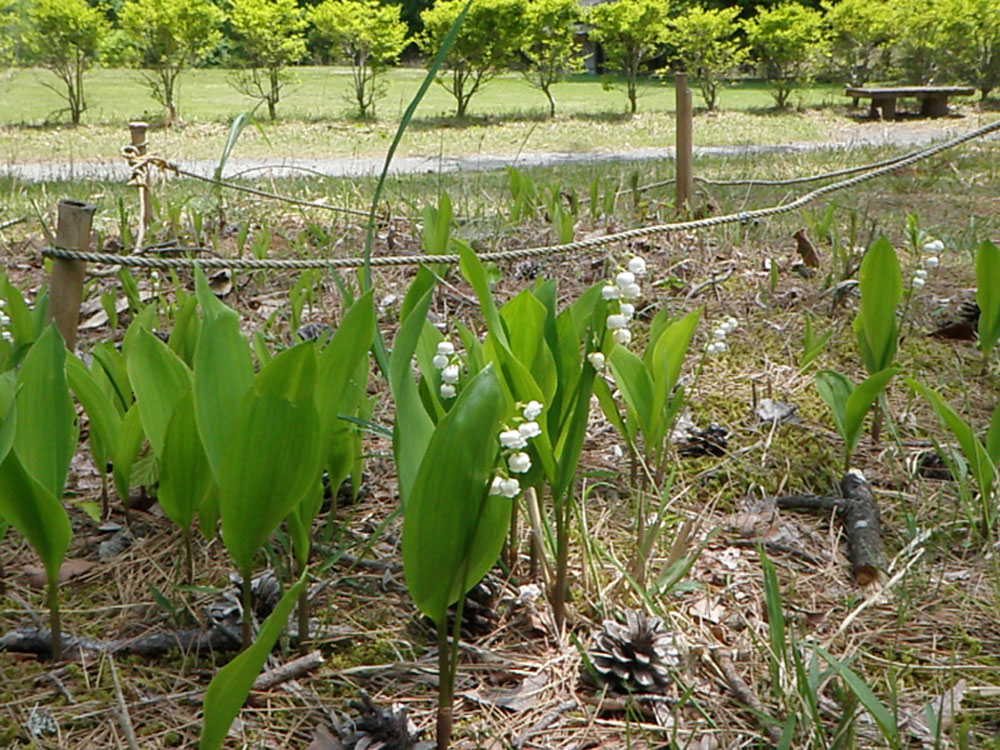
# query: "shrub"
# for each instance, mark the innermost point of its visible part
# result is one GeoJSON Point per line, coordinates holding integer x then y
{"type": "Point", "coordinates": [786, 42]}
{"type": "Point", "coordinates": [706, 47]}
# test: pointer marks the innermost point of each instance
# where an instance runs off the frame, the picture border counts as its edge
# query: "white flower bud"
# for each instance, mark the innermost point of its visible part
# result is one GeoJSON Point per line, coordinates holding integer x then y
{"type": "Point", "coordinates": [932, 261]}
{"type": "Point", "coordinates": [154, 275]}
{"type": "Point", "coordinates": [450, 374]}
{"type": "Point", "coordinates": [440, 361]}
{"type": "Point", "coordinates": [627, 309]}
{"type": "Point", "coordinates": [510, 487]}
{"type": "Point", "coordinates": [610, 292]}
{"type": "Point", "coordinates": [632, 291]}
{"type": "Point", "coordinates": [532, 410]}
{"type": "Point", "coordinates": [596, 360]}
{"type": "Point", "coordinates": [4, 320]}
{"type": "Point", "coordinates": [934, 246]}
{"type": "Point", "coordinates": [519, 463]}
{"type": "Point", "coordinates": [732, 323]}
{"type": "Point", "coordinates": [6, 335]}
{"type": "Point", "coordinates": [622, 336]}
{"type": "Point", "coordinates": [447, 390]}
{"type": "Point", "coordinates": [512, 439]}
{"type": "Point", "coordinates": [918, 282]}
{"type": "Point", "coordinates": [637, 265]}
{"type": "Point", "coordinates": [528, 430]}
{"type": "Point", "coordinates": [624, 279]}
{"type": "Point", "coordinates": [720, 333]}
{"type": "Point", "coordinates": [617, 321]}
{"type": "Point", "coordinates": [446, 348]}
{"type": "Point", "coordinates": [920, 273]}
{"type": "Point", "coordinates": [495, 485]}
{"type": "Point", "coordinates": [717, 347]}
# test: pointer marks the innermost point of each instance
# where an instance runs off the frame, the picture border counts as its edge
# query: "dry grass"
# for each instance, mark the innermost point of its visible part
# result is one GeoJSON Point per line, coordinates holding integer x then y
{"type": "Point", "coordinates": [935, 625]}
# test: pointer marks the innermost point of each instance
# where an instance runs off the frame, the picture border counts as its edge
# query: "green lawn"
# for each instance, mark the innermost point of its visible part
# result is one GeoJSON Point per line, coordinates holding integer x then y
{"type": "Point", "coordinates": [506, 117]}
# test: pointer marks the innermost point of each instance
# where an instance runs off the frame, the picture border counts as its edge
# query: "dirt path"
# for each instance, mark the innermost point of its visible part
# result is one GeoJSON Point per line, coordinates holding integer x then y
{"type": "Point", "coordinates": [903, 135]}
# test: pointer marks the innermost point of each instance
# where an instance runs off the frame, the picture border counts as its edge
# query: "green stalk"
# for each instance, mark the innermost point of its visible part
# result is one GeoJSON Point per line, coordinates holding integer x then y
{"type": "Point", "coordinates": [303, 614]}
{"type": "Point", "coordinates": [54, 620]}
{"type": "Point", "coordinates": [247, 609]}
{"type": "Point", "coordinates": [562, 562]}
{"type": "Point", "coordinates": [188, 555]}
{"type": "Point", "coordinates": [446, 687]}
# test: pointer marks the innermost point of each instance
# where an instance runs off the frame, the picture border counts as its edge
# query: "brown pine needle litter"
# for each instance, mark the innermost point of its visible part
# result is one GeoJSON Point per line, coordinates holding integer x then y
{"type": "Point", "coordinates": [926, 629]}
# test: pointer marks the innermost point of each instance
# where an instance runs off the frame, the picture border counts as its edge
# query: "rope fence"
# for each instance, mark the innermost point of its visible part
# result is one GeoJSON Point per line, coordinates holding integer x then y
{"type": "Point", "coordinates": [743, 217]}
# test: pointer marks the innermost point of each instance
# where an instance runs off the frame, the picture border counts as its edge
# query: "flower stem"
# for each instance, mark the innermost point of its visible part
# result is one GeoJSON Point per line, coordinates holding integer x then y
{"type": "Point", "coordinates": [54, 620]}
{"type": "Point", "coordinates": [446, 685]}
{"type": "Point", "coordinates": [247, 608]}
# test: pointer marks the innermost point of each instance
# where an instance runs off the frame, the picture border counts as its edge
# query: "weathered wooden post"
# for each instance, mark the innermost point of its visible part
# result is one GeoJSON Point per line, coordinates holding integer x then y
{"type": "Point", "coordinates": [684, 151]}
{"type": "Point", "coordinates": [66, 283]}
{"type": "Point", "coordinates": [137, 130]}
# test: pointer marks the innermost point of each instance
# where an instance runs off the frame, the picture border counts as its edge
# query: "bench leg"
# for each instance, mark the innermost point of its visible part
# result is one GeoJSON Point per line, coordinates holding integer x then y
{"type": "Point", "coordinates": [888, 106]}
{"type": "Point", "coordinates": [934, 106]}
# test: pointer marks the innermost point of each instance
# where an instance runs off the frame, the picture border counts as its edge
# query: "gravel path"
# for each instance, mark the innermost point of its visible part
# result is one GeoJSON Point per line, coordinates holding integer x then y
{"type": "Point", "coordinates": [890, 134]}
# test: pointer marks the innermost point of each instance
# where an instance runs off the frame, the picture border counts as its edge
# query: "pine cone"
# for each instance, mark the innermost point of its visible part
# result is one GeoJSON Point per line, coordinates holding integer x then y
{"type": "Point", "coordinates": [633, 658]}
{"type": "Point", "coordinates": [382, 729]}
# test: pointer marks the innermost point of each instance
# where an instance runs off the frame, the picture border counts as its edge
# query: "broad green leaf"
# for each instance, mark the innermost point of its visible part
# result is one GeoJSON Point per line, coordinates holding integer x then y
{"type": "Point", "coordinates": [993, 436]}
{"type": "Point", "coordinates": [46, 435]}
{"type": "Point", "coordinates": [8, 412]}
{"type": "Point", "coordinates": [112, 364]}
{"type": "Point", "coordinates": [983, 468]}
{"type": "Point", "coordinates": [412, 428]}
{"type": "Point", "coordinates": [526, 319]}
{"type": "Point", "coordinates": [21, 326]}
{"type": "Point", "coordinates": [124, 451]}
{"type": "Point", "coordinates": [835, 388]}
{"type": "Point", "coordinates": [273, 455]}
{"type": "Point", "coordinates": [860, 401]}
{"type": "Point", "coordinates": [187, 327]}
{"type": "Point", "coordinates": [104, 421]}
{"type": "Point", "coordinates": [988, 295]}
{"type": "Point", "coordinates": [665, 364]}
{"type": "Point", "coordinates": [300, 522]}
{"type": "Point", "coordinates": [144, 321]}
{"type": "Point", "coordinates": [185, 475]}
{"type": "Point", "coordinates": [881, 284]}
{"type": "Point", "coordinates": [34, 511]}
{"type": "Point", "coordinates": [635, 384]}
{"type": "Point", "coordinates": [160, 378]}
{"type": "Point", "coordinates": [573, 433]}
{"type": "Point", "coordinates": [452, 530]}
{"type": "Point", "coordinates": [475, 273]}
{"type": "Point", "coordinates": [229, 688]}
{"type": "Point", "coordinates": [223, 373]}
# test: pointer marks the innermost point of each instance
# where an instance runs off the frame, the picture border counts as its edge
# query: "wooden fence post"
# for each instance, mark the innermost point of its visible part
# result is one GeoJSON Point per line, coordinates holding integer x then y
{"type": "Point", "coordinates": [66, 283]}
{"type": "Point", "coordinates": [684, 155]}
{"type": "Point", "coordinates": [137, 130]}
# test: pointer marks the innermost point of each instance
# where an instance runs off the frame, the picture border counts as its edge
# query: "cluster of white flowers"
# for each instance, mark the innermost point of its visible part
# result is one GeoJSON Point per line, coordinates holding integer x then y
{"type": "Point", "coordinates": [444, 361]}
{"type": "Point", "coordinates": [625, 291]}
{"type": "Point", "coordinates": [932, 260]}
{"type": "Point", "coordinates": [513, 441]}
{"type": "Point", "coordinates": [4, 322]}
{"type": "Point", "coordinates": [718, 343]}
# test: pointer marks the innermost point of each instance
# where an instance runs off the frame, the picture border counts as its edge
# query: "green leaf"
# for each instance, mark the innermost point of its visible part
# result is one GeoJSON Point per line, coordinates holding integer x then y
{"type": "Point", "coordinates": [881, 284]}
{"type": "Point", "coordinates": [412, 428]}
{"type": "Point", "coordinates": [124, 451]}
{"type": "Point", "coordinates": [860, 402]}
{"type": "Point", "coordinates": [185, 476]}
{"type": "Point", "coordinates": [21, 327]}
{"type": "Point", "coordinates": [475, 273]}
{"type": "Point", "coordinates": [104, 421]}
{"type": "Point", "coordinates": [526, 319]}
{"type": "Point", "coordinates": [983, 468]}
{"type": "Point", "coordinates": [885, 718]}
{"type": "Point", "coordinates": [300, 522]}
{"type": "Point", "coordinates": [988, 295]}
{"type": "Point", "coordinates": [665, 364]}
{"type": "Point", "coordinates": [635, 384]}
{"type": "Point", "coordinates": [229, 688]}
{"type": "Point", "coordinates": [452, 530]}
{"type": "Point", "coordinates": [47, 431]}
{"type": "Point", "coordinates": [993, 436]}
{"type": "Point", "coordinates": [160, 378]}
{"type": "Point", "coordinates": [835, 388]}
{"type": "Point", "coordinates": [186, 331]}
{"type": "Point", "coordinates": [34, 511]}
{"type": "Point", "coordinates": [273, 457]}
{"type": "Point", "coordinates": [223, 372]}
{"type": "Point", "coordinates": [8, 412]}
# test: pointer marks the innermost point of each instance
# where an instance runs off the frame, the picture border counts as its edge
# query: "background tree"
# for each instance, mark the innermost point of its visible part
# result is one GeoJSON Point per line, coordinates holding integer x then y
{"type": "Point", "coordinates": [786, 41]}
{"type": "Point", "coordinates": [167, 36]}
{"type": "Point", "coordinates": [974, 49]}
{"type": "Point", "coordinates": [550, 47]}
{"type": "Point", "coordinates": [860, 31]}
{"type": "Point", "coordinates": [271, 35]}
{"type": "Point", "coordinates": [631, 32]}
{"type": "Point", "coordinates": [64, 36]}
{"type": "Point", "coordinates": [922, 53]}
{"type": "Point", "coordinates": [705, 45]}
{"type": "Point", "coordinates": [369, 36]}
{"type": "Point", "coordinates": [486, 43]}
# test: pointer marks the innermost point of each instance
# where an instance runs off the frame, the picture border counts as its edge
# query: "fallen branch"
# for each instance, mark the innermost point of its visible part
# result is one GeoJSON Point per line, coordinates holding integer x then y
{"type": "Point", "coordinates": [744, 694]}
{"type": "Point", "coordinates": [289, 671]}
{"type": "Point", "coordinates": [858, 512]}
{"type": "Point", "coordinates": [39, 641]}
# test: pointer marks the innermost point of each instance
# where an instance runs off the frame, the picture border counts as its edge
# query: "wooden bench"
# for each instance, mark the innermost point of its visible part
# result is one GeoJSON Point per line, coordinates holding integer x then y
{"type": "Point", "coordinates": [933, 99]}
